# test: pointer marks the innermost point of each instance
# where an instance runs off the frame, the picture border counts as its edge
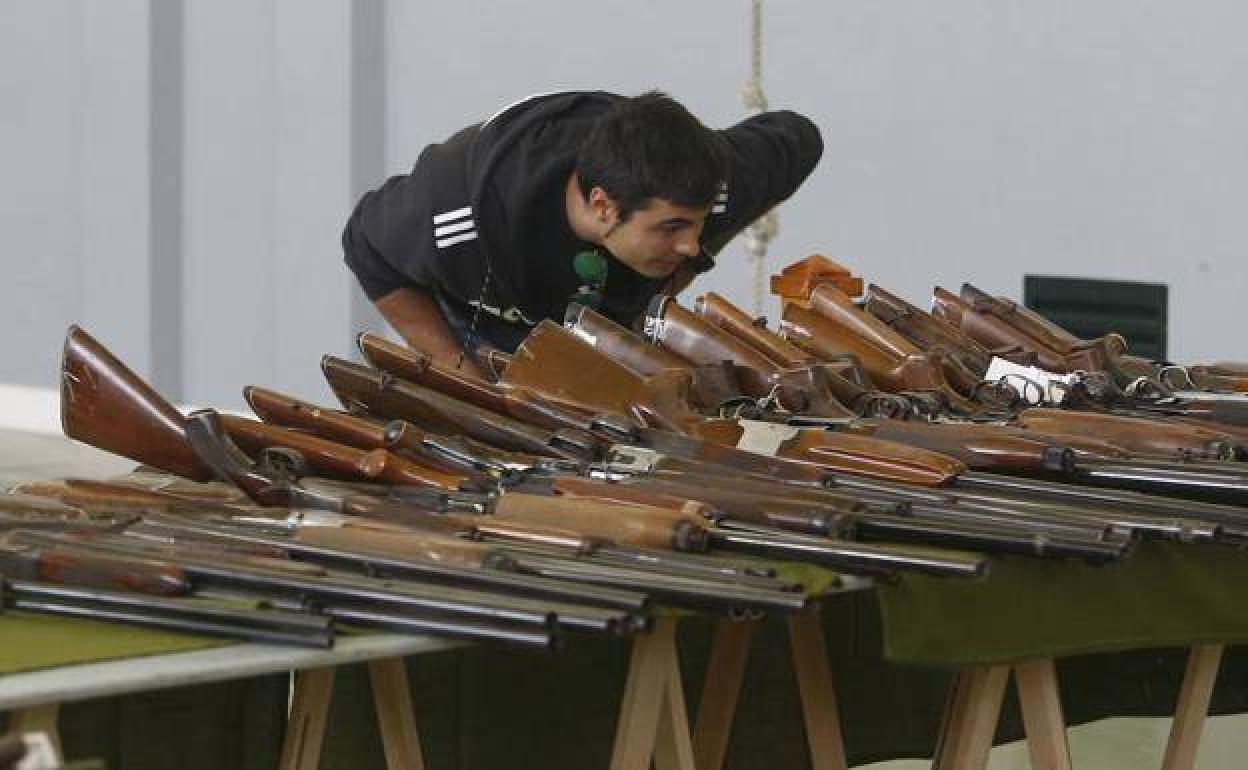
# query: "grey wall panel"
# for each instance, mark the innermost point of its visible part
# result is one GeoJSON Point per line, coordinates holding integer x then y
{"type": "Point", "coordinates": [230, 144]}
{"type": "Point", "coordinates": [267, 188]}
{"type": "Point", "coordinates": [176, 175]}
{"type": "Point", "coordinates": [41, 88]}
{"type": "Point", "coordinates": [116, 257]}
{"type": "Point", "coordinates": [964, 138]}
{"type": "Point", "coordinates": [312, 192]}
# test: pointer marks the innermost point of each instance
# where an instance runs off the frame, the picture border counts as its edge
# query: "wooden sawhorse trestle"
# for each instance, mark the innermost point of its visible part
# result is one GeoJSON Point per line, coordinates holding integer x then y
{"type": "Point", "coordinates": [977, 692]}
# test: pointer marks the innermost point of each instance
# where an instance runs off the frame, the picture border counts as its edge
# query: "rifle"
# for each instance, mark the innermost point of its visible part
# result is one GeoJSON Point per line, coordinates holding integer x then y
{"type": "Point", "coordinates": [711, 385]}
{"type": "Point", "coordinates": [366, 391]}
{"type": "Point", "coordinates": [982, 323]}
{"type": "Point", "coordinates": [831, 515]}
{"type": "Point", "coordinates": [520, 403]}
{"type": "Point", "coordinates": [1145, 436]}
{"type": "Point", "coordinates": [635, 524]}
{"type": "Point", "coordinates": [799, 389]}
{"type": "Point", "coordinates": [845, 378]}
{"type": "Point", "coordinates": [449, 454]}
{"type": "Point", "coordinates": [824, 338]}
{"type": "Point", "coordinates": [926, 330]}
{"type": "Point", "coordinates": [271, 626]}
{"type": "Point", "coordinates": [1147, 393]}
{"type": "Point", "coordinates": [550, 352]}
{"type": "Point", "coordinates": [617, 574]}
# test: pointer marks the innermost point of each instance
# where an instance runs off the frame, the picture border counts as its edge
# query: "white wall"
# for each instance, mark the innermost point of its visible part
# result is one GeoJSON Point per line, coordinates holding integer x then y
{"type": "Point", "coordinates": [176, 174]}
{"type": "Point", "coordinates": [966, 139]}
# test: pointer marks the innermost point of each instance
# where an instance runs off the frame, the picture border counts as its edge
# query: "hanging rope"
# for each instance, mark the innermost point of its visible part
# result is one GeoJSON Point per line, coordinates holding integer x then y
{"type": "Point", "coordinates": [760, 233]}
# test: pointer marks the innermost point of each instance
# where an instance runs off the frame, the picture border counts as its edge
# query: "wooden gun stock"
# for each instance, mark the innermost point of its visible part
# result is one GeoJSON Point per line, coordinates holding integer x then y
{"type": "Point", "coordinates": [992, 331]}
{"type": "Point", "coordinates": [710, 385]}
{"type": "Point", "coordinates": [80, 567]}
{"type": "Point", "coordinates": [824, 337]}
{"type": "Point", "coordinates": [1036, 326]}
{"type": "Point", "coordinates": [795, 282]}
{"type": "Point", "coordinates": [718, 311]}
{"type": "Point", "coordinates": [106, 405]}
{"type": "Point", "coordinates": [366, 390]}
{"type": "Point", "coordinates": [981, 447]}
{"type": "Point", "coordinates": [801, 390]}
{"type": "Point", "coordinates": [564, 368]}
{"type": "Point", "coordinates": [1157, 438]}
{"type": "Point", "coordinates": [926, 330]}
{"type": "Point", "coordinates": [331, 458]}
{"type": "Point", "coordinates": [843, 379]}
{"type": "Point", "coordinates": [872, 457]}
{"type": "Point", "coordinates": [832, 304]}
{"type": "Point", "coordinates": [630, 523]}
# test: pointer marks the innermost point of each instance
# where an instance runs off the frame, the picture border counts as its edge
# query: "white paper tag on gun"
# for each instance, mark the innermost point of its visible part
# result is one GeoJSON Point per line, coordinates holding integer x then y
{"type": "Point", "coordinates": [1034, 384]}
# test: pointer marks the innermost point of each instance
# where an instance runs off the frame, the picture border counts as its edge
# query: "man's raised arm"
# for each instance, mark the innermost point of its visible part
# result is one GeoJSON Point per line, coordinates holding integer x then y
{"type": "Point", "coordinates": [415, 315]}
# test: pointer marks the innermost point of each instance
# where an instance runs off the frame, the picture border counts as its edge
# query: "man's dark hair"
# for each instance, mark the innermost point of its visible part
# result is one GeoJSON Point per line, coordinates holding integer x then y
{"type": "Point", "coordinates": [650, 146]}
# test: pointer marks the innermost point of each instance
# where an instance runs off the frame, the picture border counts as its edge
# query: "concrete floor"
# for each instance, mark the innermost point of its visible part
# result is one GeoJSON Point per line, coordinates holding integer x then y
{"type": "Point", "coordinates": [1110, 744]}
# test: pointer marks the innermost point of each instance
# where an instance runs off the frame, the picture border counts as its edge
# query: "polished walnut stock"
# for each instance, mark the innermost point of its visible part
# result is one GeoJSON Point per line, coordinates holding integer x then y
{"type": "Point", "coordinates": [330, 458]}
{"type": "Point", "coordinates": [996, 333]}
{"type": "Point", "coordinates": [844, 378]}
{"type": "Point", "coordinates": [926, 330]}
{"type": "Point", "coordinates": [1158, 438]}
{"type": "Point", "coordinates": [824, 337]}
{"type": "Point", "coordinates": [564, 368]}
{"type": "Point", "coordinates": [802, 390]}
{"type": "Point", "coordinates": [75, 567]}
{"type": "Point", "coordinates": [106, 405]}
{"type": "Point", "coordinates": [365, 390]}
{"type": "Point", "coordinates": [794, 283]}
{"type": "Point", "coordinates": [521, 403]}
{"type": "Point", "coordinates": [333, 425]}
{"type": "Point", "coordinates": [1036, 326]}
{"type": "Point", "coordinates": [710, 385]}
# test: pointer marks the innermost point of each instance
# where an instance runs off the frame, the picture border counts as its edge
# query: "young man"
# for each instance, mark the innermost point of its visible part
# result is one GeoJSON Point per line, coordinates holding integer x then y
{"type": "Point", "coordinates": [590, 196]}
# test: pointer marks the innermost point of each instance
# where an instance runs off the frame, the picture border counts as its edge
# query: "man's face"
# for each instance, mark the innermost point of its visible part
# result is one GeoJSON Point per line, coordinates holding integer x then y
{"type": "Point", "coordinates": [657, 237]}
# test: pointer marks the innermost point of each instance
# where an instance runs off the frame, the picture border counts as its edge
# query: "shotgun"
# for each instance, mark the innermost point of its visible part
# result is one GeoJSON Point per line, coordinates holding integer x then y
{"type": "Point", "coordinates": [845, 378]}
{"type": "Point", "coordinates": [711, 385]}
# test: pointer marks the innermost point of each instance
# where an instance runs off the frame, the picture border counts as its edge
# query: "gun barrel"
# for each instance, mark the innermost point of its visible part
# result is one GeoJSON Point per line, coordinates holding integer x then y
{"type": "Point", "coordinates": [186, 615]}
{"type": "Point", "coordinates": [856, 558]}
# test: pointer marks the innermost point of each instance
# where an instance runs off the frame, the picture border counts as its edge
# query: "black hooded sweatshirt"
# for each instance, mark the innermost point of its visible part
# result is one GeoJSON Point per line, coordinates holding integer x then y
{"type": "Point", "coordinates": [480, 221]}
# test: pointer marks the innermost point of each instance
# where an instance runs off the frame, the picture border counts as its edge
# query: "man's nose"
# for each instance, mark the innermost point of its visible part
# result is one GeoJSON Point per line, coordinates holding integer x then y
{"type": "Point", "coordinates": [688, 246]}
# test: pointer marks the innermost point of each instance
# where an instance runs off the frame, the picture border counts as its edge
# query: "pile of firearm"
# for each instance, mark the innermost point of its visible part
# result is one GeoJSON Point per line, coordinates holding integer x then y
{"type": "Point", "coordinates": [603, 472]}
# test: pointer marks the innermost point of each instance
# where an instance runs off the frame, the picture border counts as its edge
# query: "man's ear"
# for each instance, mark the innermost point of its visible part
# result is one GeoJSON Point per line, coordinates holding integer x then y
{"type": "Point", "coordinates": [603, 207]}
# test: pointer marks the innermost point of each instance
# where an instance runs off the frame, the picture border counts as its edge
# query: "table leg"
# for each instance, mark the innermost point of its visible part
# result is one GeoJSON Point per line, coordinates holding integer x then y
{"type": "Point", "coordinates": [392, 699]}
{"type": "Point", "coordinates": [39, 719]}
{"type": "Point", "coordinates": [720, 690]}
{"type": "Point", "coordinates": [1193, 706]}
{"type": "Point", "coordinates": [648, 674]}
{"type": "Point", "coordinates": [673, 750]}
{"type": "Point", "coordinates": [814, 684]}
{"type": "Point", "coordinates": [1042, 715]}
{"type": "Point", "coordinates": [305, 729]}
{"type": "Point", "coordinates": [971, 715]}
